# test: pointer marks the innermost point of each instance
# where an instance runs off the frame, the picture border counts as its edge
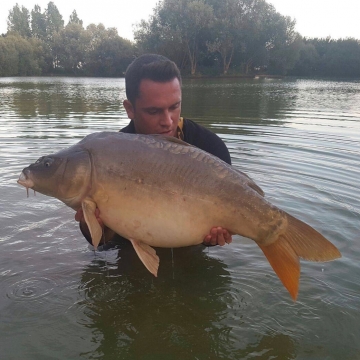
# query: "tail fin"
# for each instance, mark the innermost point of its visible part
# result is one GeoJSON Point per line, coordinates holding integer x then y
{"type": "Point", "coordinates": [300, 240]}
{"type": "Point", "coordinates": [285, 263]}
{"type": "Point", "coordinates": [308, 243]}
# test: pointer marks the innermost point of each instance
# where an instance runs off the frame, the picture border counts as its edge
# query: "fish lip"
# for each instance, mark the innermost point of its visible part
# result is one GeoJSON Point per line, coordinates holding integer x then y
{"type": "Point", "coordinates": [25, 181]}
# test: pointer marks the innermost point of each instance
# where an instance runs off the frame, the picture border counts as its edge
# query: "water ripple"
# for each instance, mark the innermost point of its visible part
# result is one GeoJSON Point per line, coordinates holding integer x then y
{"type": "Point", "coordinates": [30, 289]}
{"type": "Point", "coordinates": [298, 139]}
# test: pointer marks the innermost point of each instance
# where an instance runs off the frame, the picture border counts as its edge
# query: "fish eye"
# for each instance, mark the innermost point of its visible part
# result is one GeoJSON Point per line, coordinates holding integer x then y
{"type": "Point", "coordinates": [48, 162]}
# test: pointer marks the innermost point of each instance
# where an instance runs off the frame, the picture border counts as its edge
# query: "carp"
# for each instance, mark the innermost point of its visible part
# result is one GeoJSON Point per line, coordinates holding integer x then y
{"type": "Point", "coordinates": [159, 191]}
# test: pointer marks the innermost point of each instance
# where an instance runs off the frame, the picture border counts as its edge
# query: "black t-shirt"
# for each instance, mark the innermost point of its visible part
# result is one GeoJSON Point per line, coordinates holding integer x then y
{"type": "Point", "coordinates": [197, 135]}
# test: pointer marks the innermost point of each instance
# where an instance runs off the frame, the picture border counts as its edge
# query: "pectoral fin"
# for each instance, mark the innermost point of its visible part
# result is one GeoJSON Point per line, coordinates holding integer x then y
{"type": "Point", "coordinates": [147, 255]}
{"type": "Point", "coordinates": [96, 232]}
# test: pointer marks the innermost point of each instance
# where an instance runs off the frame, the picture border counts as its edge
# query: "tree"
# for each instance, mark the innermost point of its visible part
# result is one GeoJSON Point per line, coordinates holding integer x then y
{"type": "Point", "coordinates": [284, 45]}
{"type": "Point", "coordinates": [38, 23]}
{"type": "Point", "coordinates": [182, 22]}
{"type": "Point", "coordinates": [187, 21]}
{"type": "Point", "coordinates": [150, 38]}
{"type": "Point", "coordinates": [41, 53]}
{"type": "Point", "coordinates": [246, 33]}
{"type": "Point", "coordinates": [339, 57]}
{"type": "Point", "coordinates": [54, 23]}
{"type": "Point", "coordinates": [18, 21]}
{"type": "Point", "coordinates": [108, 54]}
{"type": "Point", "coordinates": [70, 44]}
{"type": "Point", "coordinates": [267, 37]}
{"type": "Point", "coordinates": [8, 57]}
{"type": "Point", "coordinates": [27, 63]}
{"type": "Point", "coordinates": [74, 19]}
{"type": "Point", "coordinates": [54, 20]}
{"type": "Point", "coordinates": [17, 57]}
{"type": "Point", "coordinates": [227, 30]}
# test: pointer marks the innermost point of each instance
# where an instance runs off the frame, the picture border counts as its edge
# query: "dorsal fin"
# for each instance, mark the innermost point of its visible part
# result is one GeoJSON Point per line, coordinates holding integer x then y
{"type": "Point", "coordinates": [256, 187]}
{"type": "Point", "coordinates": [251, 183]}
{"type": "Point", "coordinates": [171, 139]}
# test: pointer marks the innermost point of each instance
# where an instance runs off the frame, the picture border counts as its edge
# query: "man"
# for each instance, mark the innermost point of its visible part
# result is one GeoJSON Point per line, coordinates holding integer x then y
{"type": "Point", "coordinates": [153, 104]}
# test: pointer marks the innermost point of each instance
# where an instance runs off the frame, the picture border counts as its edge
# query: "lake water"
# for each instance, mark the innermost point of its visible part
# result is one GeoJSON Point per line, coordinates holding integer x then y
{"type": "Point", "coordinates": [298, 139]}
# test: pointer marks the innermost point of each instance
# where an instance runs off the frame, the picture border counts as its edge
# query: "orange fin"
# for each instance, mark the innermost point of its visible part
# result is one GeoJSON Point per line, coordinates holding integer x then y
{"type": "Point", "coordinates": [309, 244]}
{"type": "Point", "coordinates": [285, 263]}
{"type": "Point", "coordinates": [299, 241]}
{"type": "Point", "coordinates": [147, 255]}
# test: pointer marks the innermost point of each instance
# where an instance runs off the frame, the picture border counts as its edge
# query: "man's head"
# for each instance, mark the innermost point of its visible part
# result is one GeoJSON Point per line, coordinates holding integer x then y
{"type": "Point", "coordinates": [153, 90]}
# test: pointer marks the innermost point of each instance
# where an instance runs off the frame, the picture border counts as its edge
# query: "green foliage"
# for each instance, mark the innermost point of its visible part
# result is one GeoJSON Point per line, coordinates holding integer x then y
{"type": "Point", "coordinates": [18, 21]}
{"type": "Point", "coordinates": [204, 37]}
{"type": "Point", "coordinates": [328, 58]}
{"type": "Point", "coordinates": [38, 23]}
{"type": "Point", "coordinates": [17, 57]}
{"type": "Point", "coordinates": [107, 53]}
{"type": "Point", "coordinates": [54, 20]}
{"type": "Point", "coordinates": [8, 58]}
{"type": "Point", "coordinates": [40, 44]}
{"type": "Point", "coordinates": [180, 23]}
{"type": "Point", "coordinates": [74, 19]}
{"type": "Point", "coordinates": [69, 46]}
{"type": "Point", "coordinates": [240, 33]}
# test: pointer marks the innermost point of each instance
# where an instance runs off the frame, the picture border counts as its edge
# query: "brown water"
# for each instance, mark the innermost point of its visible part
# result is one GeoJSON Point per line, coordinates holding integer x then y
{"type": "Point", "coordinates": [298, 139]}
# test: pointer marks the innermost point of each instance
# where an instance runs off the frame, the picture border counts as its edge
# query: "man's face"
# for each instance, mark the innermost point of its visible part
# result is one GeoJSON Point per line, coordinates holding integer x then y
{"type": "Point", "coordinates": [157, 108]}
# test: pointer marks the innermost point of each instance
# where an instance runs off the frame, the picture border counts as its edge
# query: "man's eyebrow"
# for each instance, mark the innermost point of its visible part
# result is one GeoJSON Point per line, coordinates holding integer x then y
{"type": "Point", "coordinates": [152, 108]}
{"type": "Point", "coordinates": [159, 108]}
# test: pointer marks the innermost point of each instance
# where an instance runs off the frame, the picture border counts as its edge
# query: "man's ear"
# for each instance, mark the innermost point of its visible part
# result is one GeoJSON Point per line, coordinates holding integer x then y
{"type": "Point", "coordinates": [129, 109]}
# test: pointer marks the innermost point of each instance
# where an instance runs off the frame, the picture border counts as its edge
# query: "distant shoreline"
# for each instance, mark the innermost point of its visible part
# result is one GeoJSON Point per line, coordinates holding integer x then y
{"type": "Point", "coordinates": [252, 76]}
{"type": "Point", "coordinates": [193, 77]}
{"type": "Point", "coordinates": [198, 77]}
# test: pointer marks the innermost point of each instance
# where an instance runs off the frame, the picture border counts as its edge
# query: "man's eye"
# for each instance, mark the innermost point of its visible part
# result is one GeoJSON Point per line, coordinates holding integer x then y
{"type": "Point", "coordinates": [152, 112]}
{"type": "Point", "coordinates": [176, 106]}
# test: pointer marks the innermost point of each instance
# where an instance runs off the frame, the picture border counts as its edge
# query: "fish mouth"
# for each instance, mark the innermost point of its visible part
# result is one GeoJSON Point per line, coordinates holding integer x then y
{"type": "Point", "coordinates": [25, 181]}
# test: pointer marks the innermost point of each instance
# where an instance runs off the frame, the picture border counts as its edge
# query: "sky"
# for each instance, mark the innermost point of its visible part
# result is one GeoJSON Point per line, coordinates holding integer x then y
{"type": "Point", "coordinates": [314, 18]}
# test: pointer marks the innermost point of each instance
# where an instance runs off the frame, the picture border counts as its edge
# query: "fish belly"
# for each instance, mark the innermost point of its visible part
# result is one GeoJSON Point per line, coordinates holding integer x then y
{"type": "Point", "coordinates": [160, 220]}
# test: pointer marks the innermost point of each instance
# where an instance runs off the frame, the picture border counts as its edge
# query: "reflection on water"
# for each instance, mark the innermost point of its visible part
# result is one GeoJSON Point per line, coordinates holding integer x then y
{"type": "Point", "coordinates": [171, 316]}
{"type": "Point", "coordinates": [299, 140]}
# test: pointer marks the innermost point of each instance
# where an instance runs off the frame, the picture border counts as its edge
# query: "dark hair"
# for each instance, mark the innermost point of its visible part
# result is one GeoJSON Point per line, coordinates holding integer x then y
{"type": "Point", "coordinates": [149, 66]}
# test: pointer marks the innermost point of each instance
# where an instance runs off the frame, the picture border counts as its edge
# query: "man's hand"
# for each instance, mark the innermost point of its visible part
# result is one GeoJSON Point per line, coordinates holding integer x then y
{"type": "Point", "coordinates": [217, 236]}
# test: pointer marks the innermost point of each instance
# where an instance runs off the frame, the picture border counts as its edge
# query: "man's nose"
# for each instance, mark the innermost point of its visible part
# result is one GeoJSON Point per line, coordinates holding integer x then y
{"type": "Point", "coordinates": [166, 119]}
